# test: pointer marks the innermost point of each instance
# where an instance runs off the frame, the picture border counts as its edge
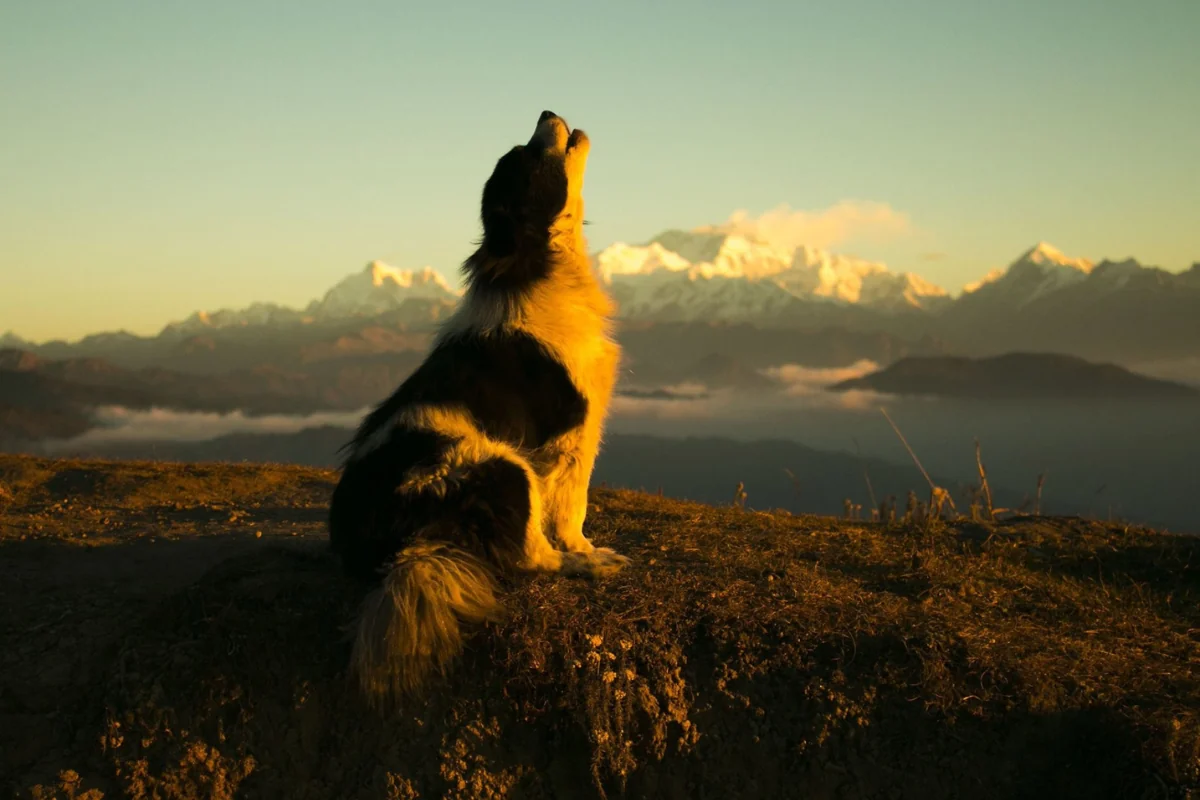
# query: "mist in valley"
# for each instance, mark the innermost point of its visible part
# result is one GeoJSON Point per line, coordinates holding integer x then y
{"type": "Point", "coordinates": [1129, 460]}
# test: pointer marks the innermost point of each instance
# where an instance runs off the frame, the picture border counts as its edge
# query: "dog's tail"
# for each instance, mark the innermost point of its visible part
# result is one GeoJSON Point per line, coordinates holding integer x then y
{"type": "Point", "coordinates": [410, 627]}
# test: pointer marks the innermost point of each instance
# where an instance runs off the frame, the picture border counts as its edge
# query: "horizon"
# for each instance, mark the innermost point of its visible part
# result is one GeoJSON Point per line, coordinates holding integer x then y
{"type": "Point", "coordinates": [454, 280]}
{"type": "Point", "coordinates": [164, 161]}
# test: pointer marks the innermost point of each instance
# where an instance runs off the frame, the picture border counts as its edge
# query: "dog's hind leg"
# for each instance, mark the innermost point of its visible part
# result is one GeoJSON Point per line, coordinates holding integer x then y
{"type": "Point", "coordinates": [539, 554]}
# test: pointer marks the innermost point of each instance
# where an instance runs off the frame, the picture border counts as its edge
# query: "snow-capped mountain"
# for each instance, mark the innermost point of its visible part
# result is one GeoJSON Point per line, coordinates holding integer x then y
{"type": "Point", "coordinates": [1043, 278]}
{"type": "Point", "coordinates": [697, 275]}
{"type": "Point", "coordinates": [380, 288]}
{"type": "Point", "coordinates": [1048, 302]}
{"type": "Point", "coordinates": [1042, 301]}
{"type": "Point", "coordinates": [253, 315]}
{"type": "Point", "coordinates": [374, 290]}
{"type": "Point", "coordinates": [1040, 271]}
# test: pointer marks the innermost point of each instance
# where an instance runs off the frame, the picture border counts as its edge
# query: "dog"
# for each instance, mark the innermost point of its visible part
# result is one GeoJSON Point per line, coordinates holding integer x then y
{"type": "Point", "coordinates": [478, 465]}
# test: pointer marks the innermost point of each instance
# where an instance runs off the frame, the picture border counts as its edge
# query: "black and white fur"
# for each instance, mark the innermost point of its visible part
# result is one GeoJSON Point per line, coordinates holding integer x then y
{"type": "Point", "coordinates": [479, 463]}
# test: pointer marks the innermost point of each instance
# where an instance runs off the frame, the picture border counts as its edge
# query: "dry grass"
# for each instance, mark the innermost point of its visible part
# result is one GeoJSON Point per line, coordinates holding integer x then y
{"type": "Point", "coordinates": [745, 654]}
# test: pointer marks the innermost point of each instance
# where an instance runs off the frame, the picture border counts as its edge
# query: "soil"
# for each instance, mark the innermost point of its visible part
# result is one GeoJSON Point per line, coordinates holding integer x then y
{"type": "Point", "coordinates": [178, 631]}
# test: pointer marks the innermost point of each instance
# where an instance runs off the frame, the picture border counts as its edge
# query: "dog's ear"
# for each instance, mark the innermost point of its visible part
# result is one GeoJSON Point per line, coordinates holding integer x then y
{"type": "Point", "coordinates": [504, 195]}
{"type": "Point", "coordinates": [500, 231]}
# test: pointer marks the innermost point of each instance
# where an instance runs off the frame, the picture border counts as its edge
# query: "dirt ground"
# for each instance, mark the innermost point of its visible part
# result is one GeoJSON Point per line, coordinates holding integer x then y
{"type": "Point", "coordinates": [177, 631]}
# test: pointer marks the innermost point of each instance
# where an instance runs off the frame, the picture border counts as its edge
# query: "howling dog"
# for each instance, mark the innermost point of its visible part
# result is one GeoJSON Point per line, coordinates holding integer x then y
{"type": "Point", "coordinates": [478, 465]}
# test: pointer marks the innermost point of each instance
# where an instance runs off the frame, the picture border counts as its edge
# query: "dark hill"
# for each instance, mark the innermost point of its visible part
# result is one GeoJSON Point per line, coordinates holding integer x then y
{"type": "Point", "coordinates": [1015, 375]}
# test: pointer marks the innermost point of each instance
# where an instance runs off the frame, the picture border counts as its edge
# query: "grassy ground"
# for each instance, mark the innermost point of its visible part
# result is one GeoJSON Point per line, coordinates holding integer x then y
{"type": "Point", "coordinates": [176, 631]}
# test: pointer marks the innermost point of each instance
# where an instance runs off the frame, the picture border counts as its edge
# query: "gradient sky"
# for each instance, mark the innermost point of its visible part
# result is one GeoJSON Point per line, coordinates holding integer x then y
{"type": "Point", "coordinates": [160, 157]}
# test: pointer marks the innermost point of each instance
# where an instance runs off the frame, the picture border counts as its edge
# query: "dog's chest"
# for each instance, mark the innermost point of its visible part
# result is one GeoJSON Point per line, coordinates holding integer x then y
{"type": "Point", "coordinates": [591, 360]}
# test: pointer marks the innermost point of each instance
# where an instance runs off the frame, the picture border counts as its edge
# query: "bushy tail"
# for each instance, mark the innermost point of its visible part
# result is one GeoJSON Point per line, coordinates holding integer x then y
{"type": "Point", "coordinates": [410, 627]}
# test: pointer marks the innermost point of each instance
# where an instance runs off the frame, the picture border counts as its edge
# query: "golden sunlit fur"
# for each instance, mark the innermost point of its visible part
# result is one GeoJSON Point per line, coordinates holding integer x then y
{"type": "Point", "coordinates": [441, 575]}
{"type": "Point", "coordinates": [570, 314]}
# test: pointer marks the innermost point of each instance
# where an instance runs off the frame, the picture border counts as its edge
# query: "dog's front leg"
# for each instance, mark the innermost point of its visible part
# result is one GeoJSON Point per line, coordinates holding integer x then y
{"type": "Point", "coordinates": [569, 462]}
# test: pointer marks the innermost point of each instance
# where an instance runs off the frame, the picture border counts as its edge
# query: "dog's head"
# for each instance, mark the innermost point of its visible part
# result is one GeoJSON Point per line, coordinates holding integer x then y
{"type": "Point", "coordinates": [533, 202]}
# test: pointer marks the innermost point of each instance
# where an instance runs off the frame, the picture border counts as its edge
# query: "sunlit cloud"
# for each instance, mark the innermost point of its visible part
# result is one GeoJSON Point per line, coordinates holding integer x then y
{"type": "Point", "coordinates": [848, 220]}
{"type": "Point", "coordinates": [799, 380]}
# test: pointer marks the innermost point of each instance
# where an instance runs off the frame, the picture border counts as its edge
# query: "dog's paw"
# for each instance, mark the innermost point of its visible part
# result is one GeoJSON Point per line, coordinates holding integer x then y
{"type": "Point", "coordinates": [600, 562]}
{"type": "Point", "coordinates": [572, 541]}
{"type": "Point", "coordinates": [606, 561]}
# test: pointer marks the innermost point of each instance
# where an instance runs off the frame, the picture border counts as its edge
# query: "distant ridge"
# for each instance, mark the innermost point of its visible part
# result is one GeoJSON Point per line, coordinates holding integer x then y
{"type": "Point", "coordinates": [1014, 375]}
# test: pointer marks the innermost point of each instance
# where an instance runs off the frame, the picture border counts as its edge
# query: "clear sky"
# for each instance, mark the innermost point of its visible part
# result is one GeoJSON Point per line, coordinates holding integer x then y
{"type": "Point", "coordinates": [161, 157]}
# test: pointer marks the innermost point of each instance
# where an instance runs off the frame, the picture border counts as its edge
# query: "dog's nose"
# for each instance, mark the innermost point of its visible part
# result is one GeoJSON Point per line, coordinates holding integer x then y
{"type": "Point", "coordinates": [551, 132]}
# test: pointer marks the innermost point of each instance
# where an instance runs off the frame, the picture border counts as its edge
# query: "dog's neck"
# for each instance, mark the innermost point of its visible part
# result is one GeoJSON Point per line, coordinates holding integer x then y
{"type": "Point", "coordinates": [567, 279]}
{"type": "Point", "coordinates": [570, 282]}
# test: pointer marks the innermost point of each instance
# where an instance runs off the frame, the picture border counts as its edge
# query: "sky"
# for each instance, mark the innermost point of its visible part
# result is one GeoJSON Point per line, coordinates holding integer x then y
{"type": "Point", "coordinates": [162, 157]}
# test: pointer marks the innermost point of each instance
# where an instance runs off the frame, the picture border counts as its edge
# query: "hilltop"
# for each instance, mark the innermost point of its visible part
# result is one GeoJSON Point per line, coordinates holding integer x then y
{"type": "Point", "coordinates": [176, 630]}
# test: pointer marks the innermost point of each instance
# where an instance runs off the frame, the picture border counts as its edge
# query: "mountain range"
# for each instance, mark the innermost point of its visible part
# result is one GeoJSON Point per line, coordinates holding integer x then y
{"type": "Point", "coordinates": [705, 280]}
{"type": "Point", "coordinates": [704, 275]}
{"type": "Point", "coordinates": [408, 295]}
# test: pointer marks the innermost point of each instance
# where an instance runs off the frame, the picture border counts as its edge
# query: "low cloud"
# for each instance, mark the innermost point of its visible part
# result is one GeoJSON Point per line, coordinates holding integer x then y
{"type": "Point", "coordinates": [849, 220]}
{"type": "Point", "coordinates": [798, 380]}
{"type": "Point", "coordinates": [118, 424]}
{"type": "Point", "coordinates": [685, 401]}
{"type": "Point", "coordinates": [811, 385]}
{"type": "Point", "coordinates": [800, 388]}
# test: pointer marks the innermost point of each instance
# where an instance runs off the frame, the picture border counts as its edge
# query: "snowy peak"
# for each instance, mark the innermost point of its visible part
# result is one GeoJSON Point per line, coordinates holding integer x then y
{"type": "Point", "coordinates": [743, 257]}
{"type": "Point", "coordinates": [709, 273]}
{"type": "Point", "coordinates": [833, 276]}
{"type": "Point", "coordinates": [1043, 275]}
{"type": "Point", "coordinates": [623, 259]}
{"type": "Point", "coordinates": [1047, 255]}
{"type": "Point", "coordinates": [382, 274]}
{"type": "Point", "coordinates": [374, 290]}
{"type": "Point", "coordinates": [1039, 271]}
{"type": "Point", "coordinates": [255, 314]}
{"type": "Point", "coordinates": [379, 288]}
{"type": "Point", "coordinates": [992, 276]}
{"type": "Point", "coordinates": [695, 256]}
{"type": "Point", "coordinates": [906, 290]}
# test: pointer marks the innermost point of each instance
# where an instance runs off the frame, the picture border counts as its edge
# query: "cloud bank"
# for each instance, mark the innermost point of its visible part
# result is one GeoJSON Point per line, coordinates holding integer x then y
{"type": "Point", "coordinates": [118, 424]}
{"type": "Point", "coordinates": [799, 388]}
{"type": "Point", "coordinates": [849, 220]}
